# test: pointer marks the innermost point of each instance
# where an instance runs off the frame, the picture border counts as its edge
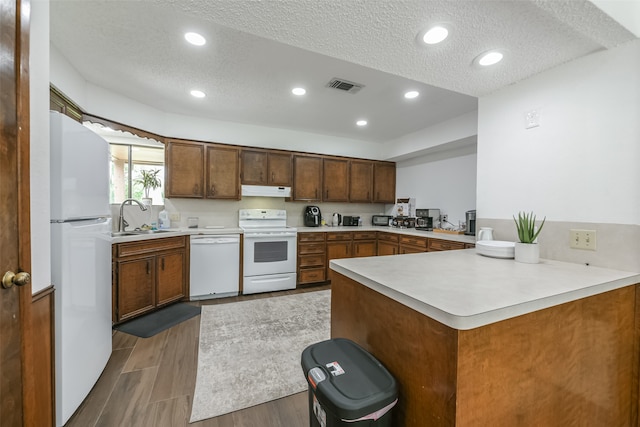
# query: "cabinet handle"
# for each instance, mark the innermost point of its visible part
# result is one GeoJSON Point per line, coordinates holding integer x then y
{"type": "Point", "coordinates": [148, 267]}
{"type": "Point", "coordinates": [213, 190]}
{"type": "Point", "coordinates": [273, 176]}
{"type": "Point", "coordinates": [195, 189]}
{"type": "Point", "coordinates": [162, 263]}
{"type": "Point", "coordinates": [327, 194]}
{"type": "Point", "coordinates": [316, 193]}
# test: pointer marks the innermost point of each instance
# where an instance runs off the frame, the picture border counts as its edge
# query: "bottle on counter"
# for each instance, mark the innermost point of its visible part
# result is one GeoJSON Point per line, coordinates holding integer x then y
{"type": "Point", "coordinates": [163, 220]}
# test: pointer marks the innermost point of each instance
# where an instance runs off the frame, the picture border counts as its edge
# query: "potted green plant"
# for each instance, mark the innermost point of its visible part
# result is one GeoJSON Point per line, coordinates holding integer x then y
{"type": "Point", "coordinates": [527, 250]}
{"type": "Point", "coordinates": [150, 181]}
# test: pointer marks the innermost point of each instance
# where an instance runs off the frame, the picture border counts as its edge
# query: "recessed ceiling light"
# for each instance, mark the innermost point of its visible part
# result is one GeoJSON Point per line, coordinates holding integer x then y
{"type": "Point", "coordinates": [361, 122]}
{"type": "Point", "coordinates": [197, 94]}
{"type": "Point", "coordinates": [490, 58]}
{"type": "Point", "coordinates": [298, 91]}
{"type": "Point", "coordinates": [195, 39]}
{"type": "Point", "coordinates": [435, 35]}
{"type": "Point", "coordinates": [411, 94]}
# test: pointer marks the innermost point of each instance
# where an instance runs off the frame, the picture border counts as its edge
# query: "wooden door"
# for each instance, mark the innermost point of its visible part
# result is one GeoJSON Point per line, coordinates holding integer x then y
{"type": "Point", "coordinates": [136, 286]}
{"type": "Point", "coordinates": [184, 169]}
{"type": "Point", "coordinates": [17, 375]}
{"type": "Point", "coordinates": [335, 180]}
{"type": "Point", "coordinates": [307, 178]}
{"type": "Point", "coordinates": [361, 181]}
{"type": "Point", "coordinates": [280, 169]}
{"type": "Point", "coordinates": [362, 248]}
{"type": "Point", "coordinates": [384, 183]}
{"type": "Point", "coordinates": [387, 248]}
{"type": "Point", "coordinates": [255, 167]}
{"type": "Point", "coordinates": [223, 173]}
{"type": "Point", "coordinates": [170, 277]}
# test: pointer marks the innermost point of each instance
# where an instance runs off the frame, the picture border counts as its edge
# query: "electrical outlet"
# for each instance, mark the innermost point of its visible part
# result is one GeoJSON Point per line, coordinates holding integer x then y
{"type": "Point", "coordinates": [532, 119]}
{"type": "Point", "coordinates": [583, 239]}
{"type": "Point", "coordinates": [174, 216]}
{"type": "Point", "coordinates": [445, 217]}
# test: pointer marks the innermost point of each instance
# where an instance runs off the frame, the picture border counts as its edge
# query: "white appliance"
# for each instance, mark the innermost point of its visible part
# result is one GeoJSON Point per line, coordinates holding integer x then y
{"type": "Point", "coordinates": [80, 260]}
{"type": "Point", "coordinates": [215, 266]}
{"type": "Point", "coordinates": [269, 260]}
{"type": "Point", "coordinates": [265, 191]}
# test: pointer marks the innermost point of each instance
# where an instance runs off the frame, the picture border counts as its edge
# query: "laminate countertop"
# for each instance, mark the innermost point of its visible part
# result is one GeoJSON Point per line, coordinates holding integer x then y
{"type": "Point", "coordinates": [464, 290]}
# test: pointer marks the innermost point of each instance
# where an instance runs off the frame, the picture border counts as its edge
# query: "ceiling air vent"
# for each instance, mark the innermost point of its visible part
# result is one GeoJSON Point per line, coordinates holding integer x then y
{"type": "Point", "coordinates": [344, 85]}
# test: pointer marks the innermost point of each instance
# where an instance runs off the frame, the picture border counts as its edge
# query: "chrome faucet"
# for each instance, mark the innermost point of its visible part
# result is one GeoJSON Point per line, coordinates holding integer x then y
{"type": "Point", "coordinates": [122, 224]}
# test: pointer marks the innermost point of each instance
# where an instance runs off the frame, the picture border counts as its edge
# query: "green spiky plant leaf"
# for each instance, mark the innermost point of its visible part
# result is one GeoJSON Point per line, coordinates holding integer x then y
{"type": "Point", "coordinates": [149, 179]}
{"type": "Point", "coordinates": [526, 226]}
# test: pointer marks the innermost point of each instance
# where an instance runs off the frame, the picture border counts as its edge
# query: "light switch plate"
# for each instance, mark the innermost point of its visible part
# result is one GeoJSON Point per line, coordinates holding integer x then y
{"type": "Point", "coordinates": [174, 216]}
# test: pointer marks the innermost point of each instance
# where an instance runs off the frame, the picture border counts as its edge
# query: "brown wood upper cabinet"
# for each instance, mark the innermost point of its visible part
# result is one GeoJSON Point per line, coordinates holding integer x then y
{"type": "Point", "coordinates": [360, 181]}
{"type": "Point", "coordinates": [335, 180]}
{"type": "Point", "coordinates": [384, 182]}
{"type": "Point", "coordinates": [184, 163]}
{"type": "Point", "coordinates": [263, 167]}
{"type": "Point", "coordinates": [307, 178]}
{"type": "Point", "coordinates": [223, 172]}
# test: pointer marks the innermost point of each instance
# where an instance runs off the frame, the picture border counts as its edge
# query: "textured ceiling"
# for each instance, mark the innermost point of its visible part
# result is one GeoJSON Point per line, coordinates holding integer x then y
{"type": "Point", "coordinates": [258, 50]}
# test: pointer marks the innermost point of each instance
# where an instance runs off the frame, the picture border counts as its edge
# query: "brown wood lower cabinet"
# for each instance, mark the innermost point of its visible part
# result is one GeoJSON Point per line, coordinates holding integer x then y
{"type": "Point", "coordinates": [148, 275]}
{"type": "Point", "coordinates": [364, 244]}
{"type": "Point", "coordinates": [412, 244]}
{"type": "Point", "coordinates": [311, 258]}
{"type": "Point", "coordinates": [339, 245]}
{"type": "Point", "coordinates": [443, 245]}
{"type": "Point", "coordinates": [387, 243]}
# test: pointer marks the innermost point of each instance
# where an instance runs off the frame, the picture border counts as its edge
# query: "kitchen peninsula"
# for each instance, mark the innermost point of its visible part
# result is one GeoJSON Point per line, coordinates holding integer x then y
{"type": "Point", "coordinates": [477, 341]}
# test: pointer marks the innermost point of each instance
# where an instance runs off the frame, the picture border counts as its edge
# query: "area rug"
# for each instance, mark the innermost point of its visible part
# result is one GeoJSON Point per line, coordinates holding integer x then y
{"type": "Point", "coordinates": [156, 322]}
{"type": "Point", "coordinates": [249, 351]}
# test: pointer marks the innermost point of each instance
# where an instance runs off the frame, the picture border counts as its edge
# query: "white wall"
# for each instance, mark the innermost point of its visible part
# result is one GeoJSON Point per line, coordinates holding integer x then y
{"type": "Point", "coordinates": [582, 162]}
{"type": "Point", "coordinates": [446, 181]}
{"type": "Point", "coordinates": [39, 161]}
{"type": "Point", "coordinates": [579, 168]}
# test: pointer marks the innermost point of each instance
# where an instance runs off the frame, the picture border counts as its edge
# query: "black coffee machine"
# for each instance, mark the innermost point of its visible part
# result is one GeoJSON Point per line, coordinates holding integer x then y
{"type": "Point", "coordinates": [312, 216]}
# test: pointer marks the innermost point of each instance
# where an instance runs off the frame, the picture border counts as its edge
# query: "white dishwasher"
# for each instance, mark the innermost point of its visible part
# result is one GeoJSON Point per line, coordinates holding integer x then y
{"type": "Point", "coordinates": [215, 266]}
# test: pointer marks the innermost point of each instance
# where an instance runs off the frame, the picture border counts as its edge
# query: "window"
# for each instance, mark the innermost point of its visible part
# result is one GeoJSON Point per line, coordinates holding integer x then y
{"type": "Point", "coordinates": [127, 163]}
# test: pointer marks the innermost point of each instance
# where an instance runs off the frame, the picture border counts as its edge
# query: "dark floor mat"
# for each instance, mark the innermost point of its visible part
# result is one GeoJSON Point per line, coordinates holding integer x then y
{"type": "Point", "coordinates": [153, 323]}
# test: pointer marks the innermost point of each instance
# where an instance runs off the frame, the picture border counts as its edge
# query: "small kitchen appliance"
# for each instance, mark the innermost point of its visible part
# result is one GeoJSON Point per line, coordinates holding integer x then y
{"type": "Point", "coordinates": [336, 219]}
{"type": "Point", "coordinates": [381, 220]}
{"type": "Point", "coordinates": [471, 223]}
{"type": "Point", "coordinates": [403, 222]}
{"type": "Point", "coordinates": [312, 216]}
{"type": "Point", "coordinates": [350, 221]}
{"type": "Point", "coordinates": [427, 219]}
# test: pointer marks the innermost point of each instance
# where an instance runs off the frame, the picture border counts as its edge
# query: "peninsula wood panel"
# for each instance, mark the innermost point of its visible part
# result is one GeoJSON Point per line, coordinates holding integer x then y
{"type": "Point", "coordinates": [575, 364]}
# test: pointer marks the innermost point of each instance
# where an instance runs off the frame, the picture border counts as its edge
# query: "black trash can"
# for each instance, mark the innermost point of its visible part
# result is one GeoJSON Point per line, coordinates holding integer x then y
{"type": "Point", "coordinates": [347, 386]}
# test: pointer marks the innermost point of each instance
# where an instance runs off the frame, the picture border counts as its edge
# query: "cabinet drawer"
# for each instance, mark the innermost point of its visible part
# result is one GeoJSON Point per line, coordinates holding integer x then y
{"type": "Point", "coordinates": [414, 241]}
{"type": "Point", "coordinates": [469, 245]}
{"type": "Point", "coordinates": [364, 235]}
{"type": "Point", "coordinates": [148, 246]}
{"type": "Point", "coordinates": [311, 275]}
{"type": "Point", "coordinates": [339, 235]}
{"type": "Point", "coordinates": [311, 260]}
{"type": "Point", "coordinates": [388, 237]}
{"type": "Point", "coordinates": [311, 248]}
{"type": "Point", "coordinates": [444, 245]}
{"type": "Point", "coordinates": [311, 237]}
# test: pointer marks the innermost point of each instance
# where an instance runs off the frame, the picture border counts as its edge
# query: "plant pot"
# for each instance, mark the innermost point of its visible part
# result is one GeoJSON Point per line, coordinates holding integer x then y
{"type": "Point", "coordinates": [527, 252]}
{"type": "Point", "coordinates": [147, 201]}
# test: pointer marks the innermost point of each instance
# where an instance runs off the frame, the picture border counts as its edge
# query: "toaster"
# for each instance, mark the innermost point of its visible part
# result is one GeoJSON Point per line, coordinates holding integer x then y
{"type": "Point", "coordinates": [381, 219]}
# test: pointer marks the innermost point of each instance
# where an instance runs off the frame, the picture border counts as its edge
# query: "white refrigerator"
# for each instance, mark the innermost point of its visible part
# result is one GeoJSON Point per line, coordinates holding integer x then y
{"type": "Point", "coordinates": [80, 260]}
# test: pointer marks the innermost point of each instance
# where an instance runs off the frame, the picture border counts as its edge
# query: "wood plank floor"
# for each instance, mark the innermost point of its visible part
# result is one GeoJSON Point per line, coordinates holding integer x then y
{"type": "Point", "coordinates": [150, 382]}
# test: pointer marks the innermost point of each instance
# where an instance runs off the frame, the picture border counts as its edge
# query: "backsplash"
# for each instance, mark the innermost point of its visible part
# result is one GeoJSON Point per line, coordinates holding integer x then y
{"type": "Point", "coordinates": [617, 245]}
{"type": "Point", "coordinates": [225, 212]}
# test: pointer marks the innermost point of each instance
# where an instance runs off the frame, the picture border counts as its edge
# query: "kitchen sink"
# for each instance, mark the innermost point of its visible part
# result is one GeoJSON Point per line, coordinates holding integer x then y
{"type": "Point", "coordinates": [122, 233]}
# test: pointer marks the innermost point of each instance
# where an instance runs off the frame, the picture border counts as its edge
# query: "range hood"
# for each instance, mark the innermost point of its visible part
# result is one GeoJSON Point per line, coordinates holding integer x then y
{"type": "Point", "coordinates": [265, 191]}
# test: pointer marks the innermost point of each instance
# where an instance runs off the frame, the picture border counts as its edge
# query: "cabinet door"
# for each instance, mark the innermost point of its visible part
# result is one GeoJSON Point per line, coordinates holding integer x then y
{"type": "Point", "coordinates": [335, 176]}
{"type": "Point", "coordinates": [337, 250]}
{"type": "Point", "coordinates": [255, 167]}
{"type": "Point", "coordinates": [364, 248]}
{"type": "Point", "coordinates": [170, 277]}
{"type": "Point", "coordinates": [384, 183]}
{"type": "Point", "coordinates": [280, 169]}
{"type": "Point", "coordinates": [361, 181]}
{"type": "Point", "coordinates": [223, 175]}
{"type": "Point", "coordinates": [387, 248]}
{"type": "Point", "coordinates": [408, 249]}
{"type": "Point", "coordinates": [307, 178]}
{"type": "Point", "coordinates": [184, 165]}
{"type": "Point", "coordinates": [136, 287]}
